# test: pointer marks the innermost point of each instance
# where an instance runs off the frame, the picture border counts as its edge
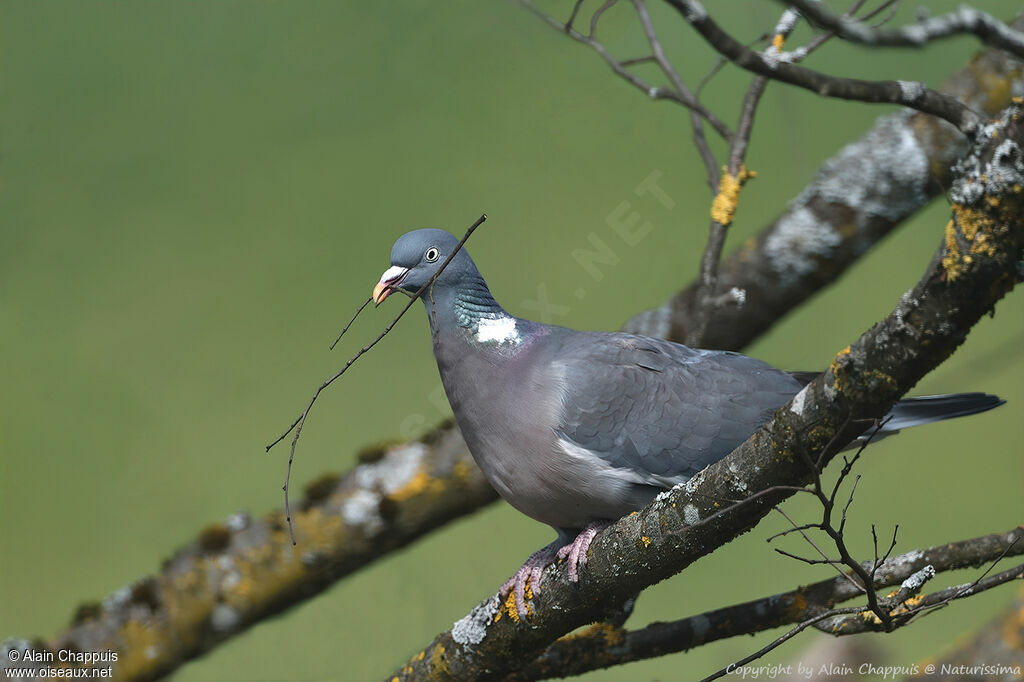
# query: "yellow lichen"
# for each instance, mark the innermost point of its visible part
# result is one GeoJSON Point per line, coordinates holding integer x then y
{"type": "Point", "coordinates": [609, 634]}
{"type": "Point", "coordinates": [723, 208]}
{"type": "Point", "coordinates": [462, 470]}
{"type": "Point", "coordinates": [977, 228]}
{"type": "Point", "coordinates": [951, 257]}
{"type": "Point", "coordinates": [870, 617]}
{"type": "Point", "coordinates": [646, 540]}
{"type": "Point", "coordinates": [510, 608]}
{"type": "Point", "coordinates": [996, 87]}
{"type": "Point", "coordinates": [798, 606]}
{"type": "Point", "coordinates": [141, 649]}
{"type": "Point", "coordinates": [778, 41]}
{"type": "Point", "coordinates": [420, 483]}
{"type": "Point", "coordinates": [438, 663]}
{"type": "Point", "coordinates": [854, 383]}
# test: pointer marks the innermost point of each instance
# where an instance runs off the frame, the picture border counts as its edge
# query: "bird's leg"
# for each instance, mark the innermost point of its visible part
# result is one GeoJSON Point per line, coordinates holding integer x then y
{"type": "Point", "coordinates": [531, 571]}
{"type": "Point", "coordinates": [576, 551]}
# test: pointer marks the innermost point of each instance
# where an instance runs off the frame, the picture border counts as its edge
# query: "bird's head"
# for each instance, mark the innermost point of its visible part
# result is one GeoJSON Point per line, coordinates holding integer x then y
{"type": "Point", "coordinates": [415, 257]}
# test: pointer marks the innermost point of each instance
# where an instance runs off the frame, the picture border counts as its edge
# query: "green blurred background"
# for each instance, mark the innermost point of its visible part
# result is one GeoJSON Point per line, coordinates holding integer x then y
{"type": "Point", "coordinates": [194, 196]}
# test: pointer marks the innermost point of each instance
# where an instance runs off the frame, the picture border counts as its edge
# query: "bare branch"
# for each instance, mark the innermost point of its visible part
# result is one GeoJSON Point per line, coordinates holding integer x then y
{"type": "Point", "coordinates": [699, 140]}
{"type": "Point", "coordinates": [914, 95]}
{"type": "Point", "coordinates": [684, 97]}
{"type": "Point", "coordinates": [964, 20]}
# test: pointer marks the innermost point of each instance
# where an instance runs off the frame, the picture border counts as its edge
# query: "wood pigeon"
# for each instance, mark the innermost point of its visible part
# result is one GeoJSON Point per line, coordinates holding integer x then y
{"type": "Point", "coordinates": [577, 429]}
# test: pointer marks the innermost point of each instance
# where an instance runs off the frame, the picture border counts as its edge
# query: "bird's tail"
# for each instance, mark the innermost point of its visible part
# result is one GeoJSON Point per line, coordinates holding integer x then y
{"type": "Point", "coordinates": [932, 408]}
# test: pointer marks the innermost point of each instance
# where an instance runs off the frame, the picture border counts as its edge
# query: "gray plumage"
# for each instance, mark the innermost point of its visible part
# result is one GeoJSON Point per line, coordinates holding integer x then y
{"type": "Point", "coordinates": [575, 427]}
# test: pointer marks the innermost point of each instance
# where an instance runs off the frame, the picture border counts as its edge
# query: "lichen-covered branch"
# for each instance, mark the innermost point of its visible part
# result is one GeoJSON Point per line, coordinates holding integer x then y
{"type": "Point", "coordinates": [857, 198]}
{"type": "Point", "coordinates": [246, 569]}
{"type": "Point", "coordinates": [603, 646]}
{"type": "Point", "coordinates": [864, 381]}
{"type": "Point", "coordinates": [906, 609]}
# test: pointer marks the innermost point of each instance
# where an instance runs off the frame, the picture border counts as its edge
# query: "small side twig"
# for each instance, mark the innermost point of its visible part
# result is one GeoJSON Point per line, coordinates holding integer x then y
{"type": "Point", "coordinates": [345, 328]}
{"type": "Point", "coordinates": [683, 97]}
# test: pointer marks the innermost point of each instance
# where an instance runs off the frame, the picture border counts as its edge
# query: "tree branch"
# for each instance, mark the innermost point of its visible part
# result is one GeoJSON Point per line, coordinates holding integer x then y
{"type": "Point", "coordinates": [602, 646]}
{"type": "Point", "coordinates": [864, 381]}
{"type": "Point", "coordinates": [964, 20]}
{"type": "Point", "coordinates": [914, 95]}
{"type": "Point", "coordinates": [244, 570]}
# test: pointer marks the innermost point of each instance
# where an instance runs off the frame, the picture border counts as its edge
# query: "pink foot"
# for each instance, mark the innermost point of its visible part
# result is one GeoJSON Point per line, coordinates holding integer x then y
{"type": "Point", "coordinates": [576, 551]}
{"type": "Point", "coordinates": [531, 570]}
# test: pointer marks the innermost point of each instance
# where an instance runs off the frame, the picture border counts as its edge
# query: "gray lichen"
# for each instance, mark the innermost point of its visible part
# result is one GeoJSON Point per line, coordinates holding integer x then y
{"type": "Point", "coordinates": [472, 628]}
{"type": "Point", "coordinates": [916, 581]}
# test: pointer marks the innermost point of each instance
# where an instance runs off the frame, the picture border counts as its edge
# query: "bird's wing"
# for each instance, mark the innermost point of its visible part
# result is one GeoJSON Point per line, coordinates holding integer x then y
{"type": "Point", "coordinates": [659, 410]}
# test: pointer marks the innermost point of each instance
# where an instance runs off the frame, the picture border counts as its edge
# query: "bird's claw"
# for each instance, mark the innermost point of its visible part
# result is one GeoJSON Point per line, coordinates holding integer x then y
{"type": "Point", "coordinates": [531, 572]}
{"type": "Point", "coordinates": [576, 551]}
{"type": "Point", "coordinates": [533, 568]}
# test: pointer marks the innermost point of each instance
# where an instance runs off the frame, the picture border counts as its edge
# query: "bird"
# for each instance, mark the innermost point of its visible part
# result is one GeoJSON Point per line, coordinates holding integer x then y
{"type": "Point", "coordinates": [577, 429]}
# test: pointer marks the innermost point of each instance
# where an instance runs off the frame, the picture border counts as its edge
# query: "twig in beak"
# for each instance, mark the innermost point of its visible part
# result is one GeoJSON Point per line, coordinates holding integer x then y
{"type": "Point", "coordinates": [301, 420]}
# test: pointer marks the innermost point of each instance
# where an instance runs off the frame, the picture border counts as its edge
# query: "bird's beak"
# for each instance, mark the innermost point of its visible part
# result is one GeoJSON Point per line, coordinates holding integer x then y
{"type": "Point", "coordinates": [388, 280]}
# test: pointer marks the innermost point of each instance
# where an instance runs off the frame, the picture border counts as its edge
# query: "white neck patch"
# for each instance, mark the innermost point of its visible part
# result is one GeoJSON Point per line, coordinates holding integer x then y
{"type": "Point", "coordinates": [498, 329]}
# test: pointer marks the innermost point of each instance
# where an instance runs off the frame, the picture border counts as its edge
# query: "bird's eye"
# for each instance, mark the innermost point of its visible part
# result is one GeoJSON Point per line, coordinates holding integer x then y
{"type": "Point", "coordinates": [432, 254]}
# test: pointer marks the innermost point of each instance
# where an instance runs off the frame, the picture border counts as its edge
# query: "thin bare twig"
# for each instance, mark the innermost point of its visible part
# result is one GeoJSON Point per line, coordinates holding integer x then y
{"type": "Point", "coordinates": [824, 557]}
{"type": "Point", "coordinates": [719, 222]}
{"type": "Point", "coordinates": [774, 644]}
{"type": "Point", "coordinates": [345, 328]}
{"type": "Point", "coordinates": [654, 92]}
{"type": "Point", "coordinates": [301, 421]}
{"type": "Point", "coordinates": [699, 139]}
